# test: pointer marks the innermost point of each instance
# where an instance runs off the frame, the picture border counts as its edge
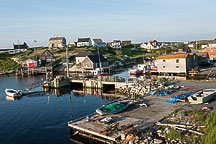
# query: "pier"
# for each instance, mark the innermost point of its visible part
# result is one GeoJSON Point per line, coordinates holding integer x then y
{"type": "Point", "coordinates": [101, 82]}
{"type": "Point", "coordinates": [34, 71]}
{"type": "Point", "coordinates": [133, 120]}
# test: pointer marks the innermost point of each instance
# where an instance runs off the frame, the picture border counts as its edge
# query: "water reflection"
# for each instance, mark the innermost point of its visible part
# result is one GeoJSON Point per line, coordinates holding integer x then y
{"type": "Point", "coordinates": [58, 92]}
{"type": "Point", "coordinates": [8, 98]}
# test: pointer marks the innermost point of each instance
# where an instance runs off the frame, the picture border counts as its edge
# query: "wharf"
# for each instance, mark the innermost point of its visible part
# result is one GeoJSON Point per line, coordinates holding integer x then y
{"type": "Point", "coordinates": [141, 119]}
{"type": "Point", "coordinates": [98, 129]}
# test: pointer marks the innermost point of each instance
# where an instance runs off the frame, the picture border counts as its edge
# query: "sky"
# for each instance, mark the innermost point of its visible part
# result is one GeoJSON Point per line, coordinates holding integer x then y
{"type": "Point", "coordinates": [136, 20]}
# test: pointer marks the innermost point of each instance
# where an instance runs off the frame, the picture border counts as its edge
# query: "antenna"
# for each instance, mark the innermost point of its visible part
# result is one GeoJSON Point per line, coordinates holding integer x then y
{"type": "Point", "coordinates": [18, 45]}
{"type": "Point", "coordinates": [99, 59]}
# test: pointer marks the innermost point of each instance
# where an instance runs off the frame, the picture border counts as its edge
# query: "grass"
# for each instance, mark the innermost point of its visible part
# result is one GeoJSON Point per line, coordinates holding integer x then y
{"type": "Point", "coordinates": [8, 65]}
{"type": "Point", "coordinates": [210, 123]}
{"type": "Point", "coordinates": [175, 135]}
{"type": "Point", "coordinates": [208, 119]}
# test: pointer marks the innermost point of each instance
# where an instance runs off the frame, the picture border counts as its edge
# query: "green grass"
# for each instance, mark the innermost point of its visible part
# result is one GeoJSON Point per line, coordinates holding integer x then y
{"type": "Point", "coordinates": [175, 135]}
{"type": "Point", "coordinates": [210, 123]}
{"type": "Point", "coordinates": [208, 119]}
{"type": "Point", "coordinates": [7, 65]}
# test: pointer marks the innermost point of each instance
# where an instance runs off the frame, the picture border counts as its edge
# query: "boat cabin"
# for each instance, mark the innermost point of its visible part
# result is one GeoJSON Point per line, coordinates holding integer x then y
{"type": "Point", "coordinates": [98, 72]}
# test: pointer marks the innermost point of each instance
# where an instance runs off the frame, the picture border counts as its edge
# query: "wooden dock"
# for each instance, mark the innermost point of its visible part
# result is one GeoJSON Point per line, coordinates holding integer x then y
{"type": "Point", "coordinates": [104, 132]}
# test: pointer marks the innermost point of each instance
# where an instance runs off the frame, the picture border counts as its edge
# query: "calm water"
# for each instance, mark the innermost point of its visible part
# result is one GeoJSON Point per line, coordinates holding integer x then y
{"type": "Point", "coordinates": [40, 118]}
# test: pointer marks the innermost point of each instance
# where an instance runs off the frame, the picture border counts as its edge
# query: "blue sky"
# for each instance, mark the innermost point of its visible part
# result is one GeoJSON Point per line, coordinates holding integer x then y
{"type": "Point", "coordinates": [138, 20]}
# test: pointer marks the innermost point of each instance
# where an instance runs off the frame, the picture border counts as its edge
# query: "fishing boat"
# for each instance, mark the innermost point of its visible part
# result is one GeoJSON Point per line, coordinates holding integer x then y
{"type": "Point", "coordinates": [13, 93]}
{"type": "Point", "coordinates": [99, 72]}
{"type": "Point", "coordinates": [135, 72]}
{"type": "Point", "coordinates": [202, 96]}
{"type": "Point", "coordinates": [113, 108]}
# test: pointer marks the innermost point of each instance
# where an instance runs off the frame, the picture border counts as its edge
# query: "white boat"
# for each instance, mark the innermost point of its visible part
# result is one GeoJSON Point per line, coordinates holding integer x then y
{"type": "Point", "coordinates": [13, 92]}
{"type": "Point", "coordinates": [202, 96]}
{"type": "Point", "coordinates": [99, 72]}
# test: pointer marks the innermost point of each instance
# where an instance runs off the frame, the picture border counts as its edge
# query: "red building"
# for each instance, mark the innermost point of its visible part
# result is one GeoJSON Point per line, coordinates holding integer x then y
{"type": "Point", "coordinates": [211, 53]}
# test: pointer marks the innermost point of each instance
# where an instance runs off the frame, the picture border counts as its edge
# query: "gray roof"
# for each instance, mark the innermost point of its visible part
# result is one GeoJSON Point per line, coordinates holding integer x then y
{"type": "Point", "coordinates": [95, 58]}
{"type": "Point", "coordinates": [21, 46]}
{"type": "Point", "coordinates": [84, 54]}
{"type": "Point", "coordinates": [57, 38]}
{"type": "Point", "coordinates": [83, 39]}
{"type": "Point", "coordinates": [116, 41]}
{"type": "Point", "coordinates": [97, 40]}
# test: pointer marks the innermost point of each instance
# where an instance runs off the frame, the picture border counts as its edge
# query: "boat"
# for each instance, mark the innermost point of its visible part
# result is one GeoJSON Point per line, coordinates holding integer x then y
{"type": "Point", "coordinates": [113, 108]}
{"type": "Point", "coordinates": [202, 96]}
{"type": "Point", "coordinates": [99, 72]}
{"type": "Point", "coordinates": [13, 93]}
{"type": "Point", "coordinates": [138, 71]}
{"type": "Point", "coordinates": [58, 82]}
{"type": "Point", "coordinates": [135, 72]}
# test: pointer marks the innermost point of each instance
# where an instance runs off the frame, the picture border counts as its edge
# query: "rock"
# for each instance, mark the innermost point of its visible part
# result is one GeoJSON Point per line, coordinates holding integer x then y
{"type": "Point", "coordinates": [149, 138]}
{"type": "Point", "coordinates": [157, 141]}
{"type": "Point", "coordinates": [146, 141]}
{"type": "Point", "coordinates": [123, 137]}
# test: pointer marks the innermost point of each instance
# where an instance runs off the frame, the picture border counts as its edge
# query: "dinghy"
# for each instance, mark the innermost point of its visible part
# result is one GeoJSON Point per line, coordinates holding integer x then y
{"type": "Point", "coordinates": [13, 92]}
{"type": "Point", "coordinates": [202, 96]}
{"type": "Point", "coordinates": [114, 107]}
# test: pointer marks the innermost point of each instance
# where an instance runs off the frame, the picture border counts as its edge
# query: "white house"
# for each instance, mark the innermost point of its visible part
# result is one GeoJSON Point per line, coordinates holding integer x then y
{"type": "Point", "coordinates": [98, 43]}
{"type": "Point", "coordinates": [212, 45]}
{"type": "Point", "coordinates": [204, 46]}
{"type": "Point", "coordinates": [191, 45]}
{"type": "Point", "coordinates": [151, 45]}
{"type": "Point", "coordinates": [57, 42]}
{"type": "Point", "coordinates": [82, 55]}
{"type": "Point", "coordinates": [84, 42]}
{"type": "Point", "coordinates": [116, 44]}
{"type": "Point", "coordinates": [176, 63]}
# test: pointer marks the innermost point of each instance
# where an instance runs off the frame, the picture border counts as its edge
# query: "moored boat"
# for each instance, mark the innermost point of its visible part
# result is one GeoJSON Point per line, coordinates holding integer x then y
{"type": "Point", "coordinates": [202, 96]}
{"type": "Point", "coordinates": [99, 72]}
{"type": "Point", "coordinates": [114, 107]}
{"type": "Point", "coordinates": [13, 93]}
{"type": "Point", "coordinates": [135, 71]}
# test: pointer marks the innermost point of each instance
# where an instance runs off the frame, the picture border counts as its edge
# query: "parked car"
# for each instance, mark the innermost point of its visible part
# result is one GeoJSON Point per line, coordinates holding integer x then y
{"type": "Point", "coordinates": [214, 64]}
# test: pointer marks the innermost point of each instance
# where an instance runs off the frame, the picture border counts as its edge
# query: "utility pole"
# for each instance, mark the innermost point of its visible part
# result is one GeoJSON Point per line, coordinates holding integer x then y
{"type": "Point", "coordinates": [99, 58]}
{"type": "Point", "coordinates": [67, 62]}
{"type": "Point", "coordinates": [34, 44]}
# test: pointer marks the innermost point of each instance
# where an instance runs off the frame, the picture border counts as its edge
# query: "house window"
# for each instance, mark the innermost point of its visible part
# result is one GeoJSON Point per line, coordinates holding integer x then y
{"type": "Point", "coordinates": [177, 61]}
{"type": "Point", "coordinates": [164, 60]}
{"type": "Point", "coordinates": [164, 67]}
{"type": "Point", "coordinates": [177, 67]}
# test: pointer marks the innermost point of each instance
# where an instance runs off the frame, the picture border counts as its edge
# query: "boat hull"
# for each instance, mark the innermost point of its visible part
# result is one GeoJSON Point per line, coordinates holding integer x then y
{"type": "Point", "coordinates": [198, 99]}
{"type": "Point", "coordinates": [100, 112]}
{"type": "Point", "coordinates": [135, 72]}
{"type": "Point", "coordinates": [104, 74]}
{"type": "Point", "coordinates": [13, 93]}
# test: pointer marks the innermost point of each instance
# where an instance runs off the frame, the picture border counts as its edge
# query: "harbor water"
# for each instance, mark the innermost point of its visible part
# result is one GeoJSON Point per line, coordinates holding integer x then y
{"type": "Point", "coordinates": [42, 117]}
